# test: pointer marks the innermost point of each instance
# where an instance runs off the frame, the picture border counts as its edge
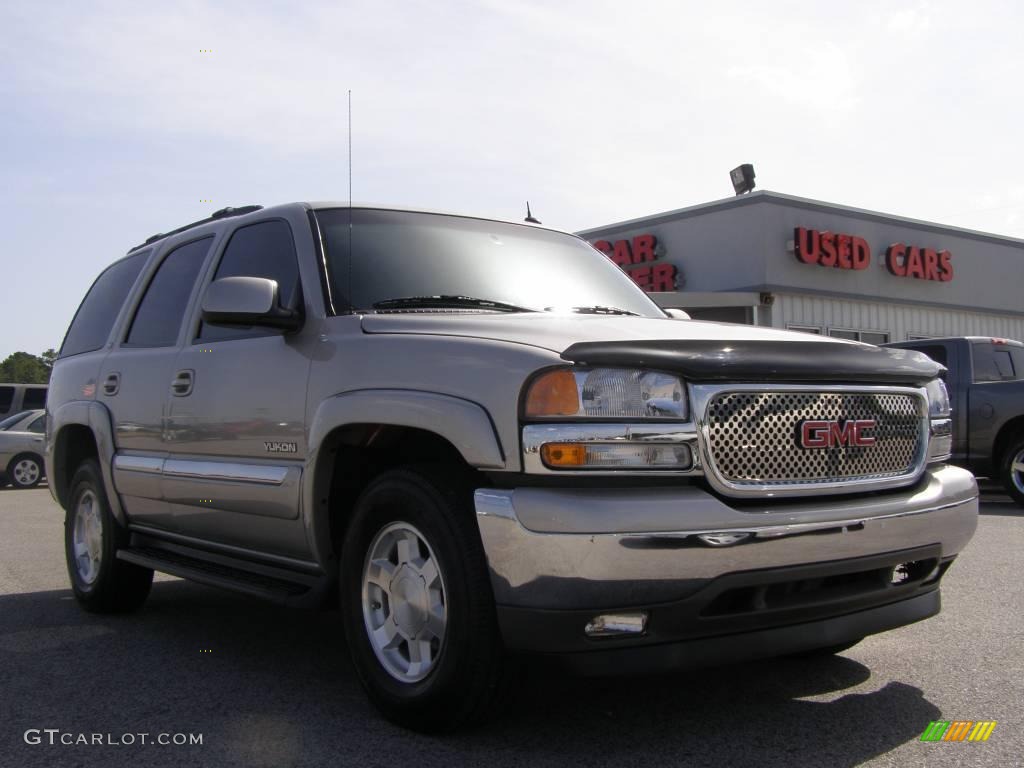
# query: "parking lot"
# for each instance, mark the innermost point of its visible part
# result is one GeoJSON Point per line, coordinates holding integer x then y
{"type": "Point", "coordinates": [268, 686]}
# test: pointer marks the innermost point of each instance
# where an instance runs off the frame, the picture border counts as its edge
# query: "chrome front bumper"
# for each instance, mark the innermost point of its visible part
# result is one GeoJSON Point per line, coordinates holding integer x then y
{"type": "Point", "coordinates": [569, 549]}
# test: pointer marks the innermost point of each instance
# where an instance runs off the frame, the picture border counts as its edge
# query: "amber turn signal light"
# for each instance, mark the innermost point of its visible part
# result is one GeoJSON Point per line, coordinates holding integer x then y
{"type": "Point", "coordinates": [564, 454]}
{"type": "Point", "coordinates": [553, 394]}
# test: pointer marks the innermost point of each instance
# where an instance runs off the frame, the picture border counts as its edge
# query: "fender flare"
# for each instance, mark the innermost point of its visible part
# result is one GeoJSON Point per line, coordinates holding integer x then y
{"type": "Point", "coordinates": [463, 423]}
{"type": "Point", "coordinates": [95, 416]}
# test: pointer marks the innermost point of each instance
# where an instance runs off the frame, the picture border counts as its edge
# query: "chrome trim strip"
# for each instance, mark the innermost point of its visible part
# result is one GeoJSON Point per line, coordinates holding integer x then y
{"type": "Point", "coordinates": [260, 474]}
{"type": "Point", "coordinates": [150, 465]}
{"type": "Point", "coordinates": [213, 546]}
{"type": "Point", "coordinates": [702, 394]}
{"type": "Point", "coordinates": [535, 435]}
{"type": "Point", "coordinates": [492, 502]}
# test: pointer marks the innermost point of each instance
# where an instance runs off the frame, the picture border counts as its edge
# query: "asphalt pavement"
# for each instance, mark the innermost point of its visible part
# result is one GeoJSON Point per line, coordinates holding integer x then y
{"type": "Point", "coordinates": [270, 686]}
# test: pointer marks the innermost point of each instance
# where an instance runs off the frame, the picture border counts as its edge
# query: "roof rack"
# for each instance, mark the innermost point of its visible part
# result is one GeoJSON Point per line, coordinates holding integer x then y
{"type": "Point", "coordinates": [223, 213]}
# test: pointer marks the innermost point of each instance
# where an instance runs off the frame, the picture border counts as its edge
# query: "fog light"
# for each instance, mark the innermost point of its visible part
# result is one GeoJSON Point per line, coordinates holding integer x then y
{"type": "Point", "coordinates": [616, 624]}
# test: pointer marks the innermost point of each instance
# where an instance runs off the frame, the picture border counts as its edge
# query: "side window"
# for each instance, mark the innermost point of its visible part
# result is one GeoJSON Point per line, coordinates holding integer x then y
{"type": "Point", "coordinates": [162, 309]}
{"type": "Point", "coordinates": [35, 397]}
{"type": "Point", "coordinates": [258, 250]}
{"type": "Point", "coordinates": [6, 399]}
{"type": "Point", "coordinates": [985, 368]}
{"type": "Point", "coordinates": [1004, 364]}
{"type": "Point", "coordinates": [936, 352]}
{"type": "Point", "coordinates": [38, 426]}
{"type": "Point", "coordinates": [96, 315]}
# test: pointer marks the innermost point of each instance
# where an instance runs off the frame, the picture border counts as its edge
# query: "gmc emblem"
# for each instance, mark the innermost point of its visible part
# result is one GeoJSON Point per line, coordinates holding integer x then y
{"type": "Point", "coordinates": [835, 434]}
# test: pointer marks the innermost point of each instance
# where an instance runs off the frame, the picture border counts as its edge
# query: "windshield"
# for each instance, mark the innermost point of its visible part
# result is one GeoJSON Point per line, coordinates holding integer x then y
{"type": "Point", "coordinates": [10, 421]}
{"type": "Point", "coordinates": [399, 255]}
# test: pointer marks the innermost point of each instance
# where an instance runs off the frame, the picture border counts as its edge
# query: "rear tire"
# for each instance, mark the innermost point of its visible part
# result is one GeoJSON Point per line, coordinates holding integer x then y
{"type": "Point", "coordinates": [92, 536]}
{"type": "Point", "coordinates": [1011, 470]}
{"type": "Point", "coordinates": [417, 604]}
{"type": "Point", "coordinates": [25, 471]}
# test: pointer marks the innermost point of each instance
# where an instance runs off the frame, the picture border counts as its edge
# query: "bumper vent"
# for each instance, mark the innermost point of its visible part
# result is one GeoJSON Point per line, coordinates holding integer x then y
{"type": "Point", "coordinates": [755, 438]}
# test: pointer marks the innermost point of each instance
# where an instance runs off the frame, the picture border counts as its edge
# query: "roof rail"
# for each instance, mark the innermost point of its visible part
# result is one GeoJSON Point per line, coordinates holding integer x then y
{"type": "Point", "coordinates": [223, 213]}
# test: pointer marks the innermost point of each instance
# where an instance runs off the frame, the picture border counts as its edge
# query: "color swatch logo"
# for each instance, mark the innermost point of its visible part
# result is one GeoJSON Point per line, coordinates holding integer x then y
{"type": "Point", "coordinates": [958, 730]}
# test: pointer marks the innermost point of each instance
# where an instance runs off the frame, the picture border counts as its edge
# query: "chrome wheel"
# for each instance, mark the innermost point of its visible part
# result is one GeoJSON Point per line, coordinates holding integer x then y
{"type": "Point", "coordinates": [404, 606]}
{"type": "Point", "coordinates": [87, 537]}
{"type": "Point", "coordinates": [1017, 471]}
{"type": "Point", "coordinates": [26, 472]}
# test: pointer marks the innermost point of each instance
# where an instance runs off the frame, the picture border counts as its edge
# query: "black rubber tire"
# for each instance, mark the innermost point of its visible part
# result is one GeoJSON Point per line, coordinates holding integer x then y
{"type": "Point", "coordinates": [13, 462]}
{"type": "Point", "coordinates": [1006, 469]}
{"type": "Point", "coordinates": [828, 650]}
{"type": "Point", "coordinates": [468, 682]}
{"type": "Point", "coordinates": [119, 587]}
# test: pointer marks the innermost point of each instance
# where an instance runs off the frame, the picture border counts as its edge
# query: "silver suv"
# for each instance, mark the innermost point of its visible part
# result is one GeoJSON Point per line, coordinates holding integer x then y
{"type": "Point", "coordinates": [480, 438]}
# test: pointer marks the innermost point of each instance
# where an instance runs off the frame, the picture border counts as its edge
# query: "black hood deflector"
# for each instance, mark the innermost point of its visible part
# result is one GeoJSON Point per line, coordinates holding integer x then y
{"type": "Point", "coordinates": [751, 361]}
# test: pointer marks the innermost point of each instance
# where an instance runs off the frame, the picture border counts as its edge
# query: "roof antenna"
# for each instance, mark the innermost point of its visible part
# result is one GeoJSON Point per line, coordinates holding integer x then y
{"type": "Point", "coordinates": [529, 216]}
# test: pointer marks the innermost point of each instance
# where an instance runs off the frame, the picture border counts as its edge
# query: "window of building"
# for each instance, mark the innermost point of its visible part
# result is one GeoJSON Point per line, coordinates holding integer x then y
{"type": "Point", "coordinates": [918, 337]}
{"type": "Point", "coordinates": [805, 328]}
{"type": "Point", "coordinates": [161, 311]}
{"type": "Point", "coordinates": [258, 250]}
{"type": "Point", "coordinates": [868, 337]}
{"type": "Point", "coordinates": [34, 397]}
{"type": "Point", "coordinates": [99, 309]}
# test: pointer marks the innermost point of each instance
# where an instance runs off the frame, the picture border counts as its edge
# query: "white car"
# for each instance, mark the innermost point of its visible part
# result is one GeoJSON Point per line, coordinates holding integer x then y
{"type": "Point", "coordinates": [22, 443]}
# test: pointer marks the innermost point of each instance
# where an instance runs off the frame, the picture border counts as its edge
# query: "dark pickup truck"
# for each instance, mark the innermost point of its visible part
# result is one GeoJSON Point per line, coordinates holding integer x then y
{"type": "Point", "coordinates": [985, 379]}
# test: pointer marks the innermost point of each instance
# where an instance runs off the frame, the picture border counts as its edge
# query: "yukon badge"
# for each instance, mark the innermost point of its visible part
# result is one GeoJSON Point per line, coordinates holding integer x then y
{"type": "Point", "coordinates": [852, 433]}
{"type": "Point", "coordinates": [278, 447]}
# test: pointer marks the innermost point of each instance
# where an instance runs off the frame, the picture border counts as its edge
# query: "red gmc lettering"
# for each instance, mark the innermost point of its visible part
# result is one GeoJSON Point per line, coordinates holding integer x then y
{"type": "Point", "coordinates": [833, 434]}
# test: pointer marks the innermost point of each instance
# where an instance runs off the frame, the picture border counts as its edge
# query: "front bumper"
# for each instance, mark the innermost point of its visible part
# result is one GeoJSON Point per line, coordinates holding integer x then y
{"type": "Point", "coordinates": [559, 556]}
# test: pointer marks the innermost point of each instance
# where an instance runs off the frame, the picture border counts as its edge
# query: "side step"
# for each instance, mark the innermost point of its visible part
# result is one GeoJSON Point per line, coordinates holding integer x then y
{"type": "Point", "coordinates": [220, 571]}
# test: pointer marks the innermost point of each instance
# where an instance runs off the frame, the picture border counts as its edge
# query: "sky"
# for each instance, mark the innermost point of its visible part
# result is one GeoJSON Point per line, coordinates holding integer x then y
{"type": "Point", "coordinates": [120, 120]}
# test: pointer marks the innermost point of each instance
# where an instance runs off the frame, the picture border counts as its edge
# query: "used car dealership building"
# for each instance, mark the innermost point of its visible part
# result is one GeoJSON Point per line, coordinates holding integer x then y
{"type": "Point", "coordinates": [787, 262]}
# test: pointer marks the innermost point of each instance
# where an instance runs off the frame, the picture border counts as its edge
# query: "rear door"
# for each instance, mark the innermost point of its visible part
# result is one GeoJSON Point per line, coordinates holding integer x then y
{"type": "Point", "coordinates": [135, 379]}
{"type": "Point", "coordinates": [236, 425]}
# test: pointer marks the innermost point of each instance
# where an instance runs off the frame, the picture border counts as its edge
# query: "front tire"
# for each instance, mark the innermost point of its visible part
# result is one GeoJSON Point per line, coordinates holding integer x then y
{"type": "Point", "coordinates": [25, 471]}
{"type": "Point", "coordinates": [92, 536]}
{"type": "Point", "coordinates": [1012, 470]}
{"type": "Point", "coordinates": [417, 604]}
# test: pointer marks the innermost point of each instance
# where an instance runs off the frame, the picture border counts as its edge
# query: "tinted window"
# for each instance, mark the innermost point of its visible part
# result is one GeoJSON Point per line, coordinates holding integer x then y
{"type": "Point", "coordinates": [6, 398]}
{"type": "Point", "coordinates": [98, 311]}
{"type": "Point", "coordinates": [10, 421]}
{"type": "Point", "coordinates": [259, 250]}
{"type": "Point", "coordinates": [936, 352]}
{"type": "Point", "coordinates": [992, 363]}
{"type": "Point", "coordinates": [38, 426]}
{"type": "Point", "coordinates": [162, 310]}
{"type": "Point", "coordinates": [35, 397]}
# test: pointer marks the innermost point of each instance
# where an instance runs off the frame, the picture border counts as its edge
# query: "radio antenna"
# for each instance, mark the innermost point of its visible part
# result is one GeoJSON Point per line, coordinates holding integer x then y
{"type": "Point", "coordinates": [351, 304]}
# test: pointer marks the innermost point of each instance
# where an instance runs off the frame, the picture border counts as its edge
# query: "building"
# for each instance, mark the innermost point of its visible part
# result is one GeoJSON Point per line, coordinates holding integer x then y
{"type": "Point", "coordinates": [786, 262]}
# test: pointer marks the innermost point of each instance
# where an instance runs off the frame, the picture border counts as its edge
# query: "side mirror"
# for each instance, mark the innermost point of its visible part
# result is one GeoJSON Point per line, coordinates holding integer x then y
{"type": "Point", "coordinates": [677, 314]}
{"type": "Point", "coordinates": [247, 301]}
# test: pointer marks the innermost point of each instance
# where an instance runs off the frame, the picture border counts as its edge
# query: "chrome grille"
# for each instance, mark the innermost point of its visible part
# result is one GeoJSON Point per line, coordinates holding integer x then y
{"type": "Point", "coordinates": [753, 437]}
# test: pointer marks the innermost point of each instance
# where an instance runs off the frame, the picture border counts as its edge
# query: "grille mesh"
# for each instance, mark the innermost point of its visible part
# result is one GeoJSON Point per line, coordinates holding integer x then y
{"type": "Point", "coordinates": [753, 437]}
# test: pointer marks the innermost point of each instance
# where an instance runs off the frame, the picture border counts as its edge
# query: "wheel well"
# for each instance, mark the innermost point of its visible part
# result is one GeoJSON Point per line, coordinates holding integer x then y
{"type": "Point", "coordinates": [351, 456]}
{"type": "Point", "coordinates": [1010, 431]}
{"type": "Point", "coordinates": [74, 444]}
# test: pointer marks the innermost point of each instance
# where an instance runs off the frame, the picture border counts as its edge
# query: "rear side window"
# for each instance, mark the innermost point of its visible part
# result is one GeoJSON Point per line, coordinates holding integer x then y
{"type": "Point", "coordinates": [98, 311]}
{"type": "Point", "coordinates": [35, 397]}
{"type": "Point", "coordinates": [6, 398]}
{"type": "Point", "coordinates": [162, 309]}
{"type": "Point", "coordinates": [993, 363]}
{"type": "Point", "coordinates": [258, 250]}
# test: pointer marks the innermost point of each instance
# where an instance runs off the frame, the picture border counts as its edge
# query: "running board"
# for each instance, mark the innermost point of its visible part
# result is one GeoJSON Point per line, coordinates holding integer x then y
{"type": "Point", "coordinates": [272, 584]}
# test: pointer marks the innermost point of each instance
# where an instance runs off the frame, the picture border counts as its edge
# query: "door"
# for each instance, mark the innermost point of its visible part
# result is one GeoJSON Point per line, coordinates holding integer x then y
{"type": "Point", "coordinates": [236, 426]}
{"type": "Point", "coordinates": [135, 380]}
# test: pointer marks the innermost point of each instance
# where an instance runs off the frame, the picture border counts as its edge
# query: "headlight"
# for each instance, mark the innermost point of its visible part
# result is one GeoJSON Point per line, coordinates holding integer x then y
{"type": "Point", "coordinates": [940, 442]}
{"type": "Point", "coordinates": [606, 393]}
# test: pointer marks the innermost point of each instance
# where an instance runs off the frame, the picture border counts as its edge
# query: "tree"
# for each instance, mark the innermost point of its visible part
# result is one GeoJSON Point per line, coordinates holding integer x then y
{"type": "Point", "coordinates": [23, 368]}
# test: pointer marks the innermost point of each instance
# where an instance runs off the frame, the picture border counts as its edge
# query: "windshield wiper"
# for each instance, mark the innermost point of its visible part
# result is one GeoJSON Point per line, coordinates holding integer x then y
{"type": "Point", "coordinates": [597, 309]}
{"type": "Point", "coordinates": [449, 302]}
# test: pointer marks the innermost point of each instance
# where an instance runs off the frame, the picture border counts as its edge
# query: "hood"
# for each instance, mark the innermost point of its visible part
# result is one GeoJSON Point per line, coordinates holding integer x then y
{"type": "Point", "coordinates": [702, 351]}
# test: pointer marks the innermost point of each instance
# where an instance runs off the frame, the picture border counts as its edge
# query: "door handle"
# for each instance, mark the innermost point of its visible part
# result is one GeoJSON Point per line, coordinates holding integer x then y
{"type": "Point", "coordinates": [182, 384]}
{"type": "Point", "coordinates": [112, 384]}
